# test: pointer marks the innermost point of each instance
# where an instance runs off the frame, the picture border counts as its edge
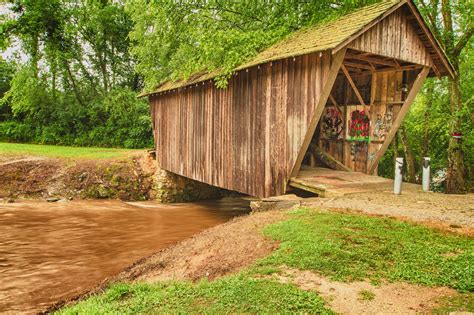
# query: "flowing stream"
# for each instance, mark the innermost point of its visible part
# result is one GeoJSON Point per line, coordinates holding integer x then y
{"type": "Point", "coordinates": [53, 251]}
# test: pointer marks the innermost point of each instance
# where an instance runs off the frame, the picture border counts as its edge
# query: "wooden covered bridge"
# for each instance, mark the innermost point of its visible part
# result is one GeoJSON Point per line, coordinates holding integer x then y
{"type": "Point", "coordinates": [329, 96]}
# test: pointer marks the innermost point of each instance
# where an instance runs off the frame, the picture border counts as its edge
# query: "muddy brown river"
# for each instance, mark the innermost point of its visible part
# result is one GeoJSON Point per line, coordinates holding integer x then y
{"type": "Point", "coordinates": [53, 251]}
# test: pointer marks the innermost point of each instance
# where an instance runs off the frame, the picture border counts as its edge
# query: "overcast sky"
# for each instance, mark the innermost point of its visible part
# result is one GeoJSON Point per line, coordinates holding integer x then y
{"type": "Point", "coordinates": [14, 48]}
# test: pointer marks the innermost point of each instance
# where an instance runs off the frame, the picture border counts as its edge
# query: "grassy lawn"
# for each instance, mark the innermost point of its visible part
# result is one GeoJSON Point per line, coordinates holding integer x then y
{"type": "Point", "coordinates": [235, 294]}
{"type": "Point", "coordinates": [340, 246]}
{"type": "Point", "coordinates": [353, 247]}
{"type": "Point", "coordinates": [20, 149]}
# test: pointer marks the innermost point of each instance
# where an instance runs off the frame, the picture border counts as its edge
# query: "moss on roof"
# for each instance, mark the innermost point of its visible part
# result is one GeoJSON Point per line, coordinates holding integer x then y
{"type": "Point", "coordinates": [316, 38]}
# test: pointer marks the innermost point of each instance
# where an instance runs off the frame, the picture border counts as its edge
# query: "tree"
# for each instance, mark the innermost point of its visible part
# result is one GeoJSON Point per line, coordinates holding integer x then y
{"type": "Point", "coordinates": [175, 39]}
{"type": "Point", "coordinates": [451, 22]}
{"type": "Point", "coordinates": [78, 65]}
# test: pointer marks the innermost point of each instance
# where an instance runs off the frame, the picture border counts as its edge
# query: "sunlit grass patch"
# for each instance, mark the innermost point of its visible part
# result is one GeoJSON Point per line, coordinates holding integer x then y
{"type": "Point", "coordinates": [354, 247]}
{"type": "Point", "coordinates": [20, 149]}
{"type": "Point", "coordinates": [235, 294]}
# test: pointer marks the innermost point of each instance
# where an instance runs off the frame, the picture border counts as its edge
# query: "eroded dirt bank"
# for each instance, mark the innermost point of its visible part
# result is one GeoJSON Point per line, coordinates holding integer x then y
{"type": "Point", "coordinates": [132, 178]}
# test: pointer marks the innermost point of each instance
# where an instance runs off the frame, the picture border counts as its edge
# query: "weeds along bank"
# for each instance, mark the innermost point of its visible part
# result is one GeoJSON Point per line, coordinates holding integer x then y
{"type": "Point", "coordinates": [130, 178]}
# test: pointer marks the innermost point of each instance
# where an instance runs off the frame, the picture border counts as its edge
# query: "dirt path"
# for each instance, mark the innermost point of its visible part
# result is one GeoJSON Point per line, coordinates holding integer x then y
{"type": "Point", "coordinates": [363, 297]}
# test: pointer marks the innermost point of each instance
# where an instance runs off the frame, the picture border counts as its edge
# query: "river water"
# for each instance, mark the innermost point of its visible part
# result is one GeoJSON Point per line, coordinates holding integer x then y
{"type": "Point", "coordinates": [53, 251]}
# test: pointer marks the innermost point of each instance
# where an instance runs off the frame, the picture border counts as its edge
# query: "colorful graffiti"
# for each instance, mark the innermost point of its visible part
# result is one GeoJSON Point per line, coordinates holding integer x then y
{"type": "Point", "coordinates": [359, 126]}
{"type": "Point", "coordinates": [332, 126]}
{"type": "Point", "coordinates": [383, 124]}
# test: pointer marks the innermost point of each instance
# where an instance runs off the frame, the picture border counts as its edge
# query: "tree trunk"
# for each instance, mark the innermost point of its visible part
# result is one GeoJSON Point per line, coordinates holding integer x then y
{"type": "Point", "coordinates": [455, 183]}
{"type": "Point", "coordinates": [425, 145]}
{"type": "Point", "coordinates": [455, 176]}
{"type": "Point", "coordinates": [409, 158]}
{"type": "Point", "coordinates": [73, 83]}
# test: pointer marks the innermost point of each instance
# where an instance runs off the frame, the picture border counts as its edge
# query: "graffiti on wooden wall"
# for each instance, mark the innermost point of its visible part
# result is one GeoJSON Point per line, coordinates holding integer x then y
{"type": "Point", "coordinates": [332, 126]}
{"type": "Point", "coordinates": [383, 124]}
{"type": "Point", "coordinates": [359, 126]}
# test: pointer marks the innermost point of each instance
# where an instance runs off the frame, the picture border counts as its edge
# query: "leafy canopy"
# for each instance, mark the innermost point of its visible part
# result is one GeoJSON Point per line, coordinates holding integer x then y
{"type": "Point", "coordinates": [174, 39]}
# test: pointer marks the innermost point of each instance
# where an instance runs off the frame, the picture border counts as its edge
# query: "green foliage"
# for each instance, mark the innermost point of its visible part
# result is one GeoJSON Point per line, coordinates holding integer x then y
{"type": "Point", "coordinates": [78, 86]}
{"type": "Point", "coordinates": [235, 294]}
{"type": "Point", "coordinates": [174, 39]}
{"type": "Point", "coordinates": [352, 247]}
{"type": "Point", "coordinates": [116, 119]}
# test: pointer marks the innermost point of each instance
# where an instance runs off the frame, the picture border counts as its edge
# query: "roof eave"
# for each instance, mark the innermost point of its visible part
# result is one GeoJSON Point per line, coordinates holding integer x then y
{"type": "Point", "coordinates": [432, 38]}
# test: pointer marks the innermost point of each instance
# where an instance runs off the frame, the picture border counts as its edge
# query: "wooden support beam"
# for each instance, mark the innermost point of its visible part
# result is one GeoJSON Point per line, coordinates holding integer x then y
{"type": "Point", "coordinates": [436, 70]}
{"type": "Point", "coordinates": [328, 159]}
{"type": "Point", "coordinates": [401, 68]}
{"type": "Point", "coordinates": [354, 87]}
{"type": "Point", "coordinates": [319, 190]}
{"type": "Point", "coordinates": [336, 63]}
{"type": "Point", "coordinates": [417, 85]}
{"type": "Point", "coordinates": [357, 65]}
{"type": "Point", "coordinates": [372, 60]}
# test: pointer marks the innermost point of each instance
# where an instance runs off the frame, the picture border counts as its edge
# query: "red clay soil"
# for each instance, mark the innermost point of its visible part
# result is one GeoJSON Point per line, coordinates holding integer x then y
{"type": "Point", "coordinates": [216, 252]}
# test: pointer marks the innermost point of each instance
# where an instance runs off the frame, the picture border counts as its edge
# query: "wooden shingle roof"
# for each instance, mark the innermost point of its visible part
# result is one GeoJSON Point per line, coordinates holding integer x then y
{"type": "Point", "coordinates": [321, 37]}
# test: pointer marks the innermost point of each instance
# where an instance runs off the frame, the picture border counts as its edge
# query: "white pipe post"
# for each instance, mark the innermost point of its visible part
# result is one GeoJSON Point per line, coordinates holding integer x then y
{"type": "Point", "coordinates": [426, 174]}
{"type": "Point", "coordinates": [397, 183]}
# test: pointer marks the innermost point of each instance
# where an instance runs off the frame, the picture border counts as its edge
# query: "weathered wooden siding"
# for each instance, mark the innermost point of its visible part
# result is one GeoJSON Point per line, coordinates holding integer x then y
{"type": "Point", "coordinates": [245, 137]}
{"type": "Point", "coordinates": [394, 37]}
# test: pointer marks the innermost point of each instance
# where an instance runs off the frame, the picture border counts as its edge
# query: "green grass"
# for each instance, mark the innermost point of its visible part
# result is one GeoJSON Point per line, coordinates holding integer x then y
{"type": "Point", "coordinates": [352, 247]}
{"type": "Point", "coordinates": [458, 303]}
{"type": "Point", "coordinates": [235, 294]}
{"type": "Point", "coordinates": [62, 151]}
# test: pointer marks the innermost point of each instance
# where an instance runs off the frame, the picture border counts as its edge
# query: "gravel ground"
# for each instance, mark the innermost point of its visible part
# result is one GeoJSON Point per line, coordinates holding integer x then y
{"type": "Point", "coordinates": [456, 211]}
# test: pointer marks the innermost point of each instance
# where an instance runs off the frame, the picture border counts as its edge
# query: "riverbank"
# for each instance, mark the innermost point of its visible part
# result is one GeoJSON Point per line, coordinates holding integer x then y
{"type": "Point", "coordinates": [317, 258]}
{"type": "Point", "coordinates": [63, 173]}
{"type": "Point", "coordinates": [361, 253]}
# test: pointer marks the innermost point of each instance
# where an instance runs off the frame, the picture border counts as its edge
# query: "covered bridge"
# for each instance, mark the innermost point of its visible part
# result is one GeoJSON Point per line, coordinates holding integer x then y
{"type": "Point", "coordinates": [332, 95]}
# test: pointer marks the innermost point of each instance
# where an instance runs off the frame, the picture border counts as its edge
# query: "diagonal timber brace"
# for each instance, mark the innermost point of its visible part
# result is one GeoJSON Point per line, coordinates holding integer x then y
{"type": "Point", "coordinates": [417, 85]}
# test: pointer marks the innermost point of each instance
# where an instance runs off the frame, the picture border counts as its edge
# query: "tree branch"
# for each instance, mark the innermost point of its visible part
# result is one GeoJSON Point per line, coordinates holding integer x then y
{"type": "Point", "coordinates": [463, 41]}
{"type": "Point", "coordinates": [432, 19]}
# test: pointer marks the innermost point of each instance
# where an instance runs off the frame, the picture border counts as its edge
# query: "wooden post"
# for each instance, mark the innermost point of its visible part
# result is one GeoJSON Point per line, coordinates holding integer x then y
{"type": "Point", "coordinates": [338, 58]}
{"type": "Point", "coordinates": [401, 115]}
